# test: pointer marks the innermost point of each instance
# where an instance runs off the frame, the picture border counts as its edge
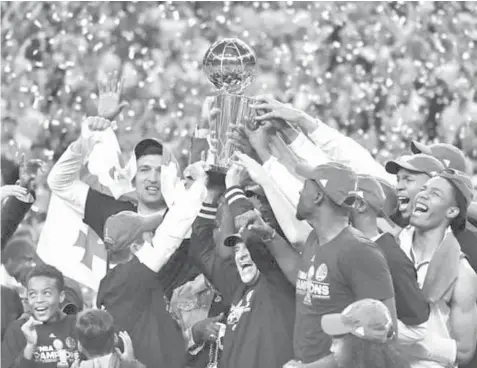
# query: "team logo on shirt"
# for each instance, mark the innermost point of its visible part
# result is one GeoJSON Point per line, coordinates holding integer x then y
{"type": "Point", "coordinates": [236, 311]}
{"type": "Point", "coordinates": [311, 284]}
{"type": "Point", "coordinates": [70, 343]}
{"type": "Point", "coordinates": [321, 272]}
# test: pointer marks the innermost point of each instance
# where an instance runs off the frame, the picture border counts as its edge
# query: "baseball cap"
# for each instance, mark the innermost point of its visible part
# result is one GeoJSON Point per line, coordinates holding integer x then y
{"type": "Point", "coordinates": [338, 181]}
{"type": "Point", "coordinates": [372, 192]}
{"type": "Point", "coordinates": [448, 154]}
{"type": "Point", "coordinates": [144, 144]}
{"type": "Point", "coordinates": [368, 319]}
{"type": "Point", "coordinates": [419, 163]}
{"type": "Point", "coordinates": [233, 240]}
{"type": "Point", "coordinates": [461, 182]}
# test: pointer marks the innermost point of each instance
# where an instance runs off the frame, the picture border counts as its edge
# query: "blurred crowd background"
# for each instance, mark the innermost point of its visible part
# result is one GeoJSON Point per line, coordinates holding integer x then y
{"type": "Point", "coordinates": [383, 73]}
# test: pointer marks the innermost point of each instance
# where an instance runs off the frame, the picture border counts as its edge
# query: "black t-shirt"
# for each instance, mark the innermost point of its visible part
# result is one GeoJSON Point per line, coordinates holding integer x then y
{"type": "Point", "coordinates": [175, 272]}
{"type": "Point", "coordinates": [134, 297]}
{"type": "Point", "coordinates": [50, 336]}
{"type": "Point", "coordinates": [411, 306]}
{"type": "Point", "coordinates": [259, 331]}
{"type": "Point", "coordinates": [331, 277]}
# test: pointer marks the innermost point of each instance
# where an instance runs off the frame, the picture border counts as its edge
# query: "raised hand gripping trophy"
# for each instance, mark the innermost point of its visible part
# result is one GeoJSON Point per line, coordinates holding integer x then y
{"type": "Point", "coordinates": [231, 66]}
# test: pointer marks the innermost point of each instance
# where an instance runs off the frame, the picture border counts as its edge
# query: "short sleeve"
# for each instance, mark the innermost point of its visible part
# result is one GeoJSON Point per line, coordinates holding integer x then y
{"type": "Point", "coordinates": [366, 271]}
{"type": "Point", "coordinates": [99, 207]}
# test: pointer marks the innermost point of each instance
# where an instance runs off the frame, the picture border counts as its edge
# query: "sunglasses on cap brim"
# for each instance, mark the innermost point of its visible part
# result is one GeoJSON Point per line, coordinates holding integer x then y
{"type": "Point", "coordinates": [450, 173]}
{"type": "Point", "coordinates": [353, 199]}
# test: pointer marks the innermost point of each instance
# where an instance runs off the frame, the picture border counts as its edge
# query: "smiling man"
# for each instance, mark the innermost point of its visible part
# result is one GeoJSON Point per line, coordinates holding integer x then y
{"type": "Point", "coordinates": [259, 327]}
{"type": "Point", "coordinates": [95, 207]}
{"type": "Point", "coordinates": [46, 339]}
{"type": "Point", "coordinates": [444, 274]}
{"type": "Point", "coordinates": [412, 173]}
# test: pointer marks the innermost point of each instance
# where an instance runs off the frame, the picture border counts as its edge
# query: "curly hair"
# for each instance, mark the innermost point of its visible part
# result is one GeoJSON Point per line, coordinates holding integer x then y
{"type": "Point", "coordinates": [361, 353]}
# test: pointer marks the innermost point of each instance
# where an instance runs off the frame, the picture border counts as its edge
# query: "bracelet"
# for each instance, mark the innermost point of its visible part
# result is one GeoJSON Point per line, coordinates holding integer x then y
{"type": "Point", "coordinates": [270, 238]}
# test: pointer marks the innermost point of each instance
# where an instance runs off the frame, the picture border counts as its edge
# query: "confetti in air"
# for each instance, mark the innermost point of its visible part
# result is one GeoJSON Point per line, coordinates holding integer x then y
{"type": "Point", "coordinates": [380, 72]}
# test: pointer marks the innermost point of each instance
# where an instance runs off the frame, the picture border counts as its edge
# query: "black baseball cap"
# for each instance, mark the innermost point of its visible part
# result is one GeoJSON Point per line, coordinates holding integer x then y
{"type": "Point", "coordinates": [143, 145]}
{"type": "Point", "coordinates": [339, 182]}
{"type": "Point", "coordinates": [419, 163]}
{"type": "Point", "coordinates": [232, 240]}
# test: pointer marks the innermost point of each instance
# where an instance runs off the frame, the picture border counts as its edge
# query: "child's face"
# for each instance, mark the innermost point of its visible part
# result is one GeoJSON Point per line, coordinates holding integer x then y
{"type": "Point", "coordinates": [44, 298]}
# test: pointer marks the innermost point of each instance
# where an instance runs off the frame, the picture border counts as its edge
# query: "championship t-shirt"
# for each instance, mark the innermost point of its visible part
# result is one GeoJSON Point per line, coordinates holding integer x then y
{"type": "Point", "coordinates": [259, 332]}
{"type": "Point", "coordinates": [56, 343]}
{"type": "Point", "coordinates": [331, 277]}
{"type": "Point", "coordinates": [134, 297]}
{"type": "Point", "coordinates": [175, 272]}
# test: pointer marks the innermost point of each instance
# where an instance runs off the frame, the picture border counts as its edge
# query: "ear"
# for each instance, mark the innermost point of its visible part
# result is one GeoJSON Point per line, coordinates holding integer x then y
{"type": "Point", "coordinates": [62, 296]}
{"type": "Point", "coordinates": [318, 198]}
{"type": "Point", "coordinates": [452, 212]}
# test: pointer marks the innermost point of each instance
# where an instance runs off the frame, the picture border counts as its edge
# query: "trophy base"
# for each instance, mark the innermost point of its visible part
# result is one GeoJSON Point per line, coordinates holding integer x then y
{"type": "Point", "coordinates": [217, 176]}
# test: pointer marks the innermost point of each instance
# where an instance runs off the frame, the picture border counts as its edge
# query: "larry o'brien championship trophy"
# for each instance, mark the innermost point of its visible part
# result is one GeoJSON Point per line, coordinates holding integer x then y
{"type": "Point", "coordinates": [231, 66]}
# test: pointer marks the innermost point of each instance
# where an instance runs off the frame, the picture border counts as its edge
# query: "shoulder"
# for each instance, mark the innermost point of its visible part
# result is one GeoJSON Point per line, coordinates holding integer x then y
{"type": "Point", "coordinates": [15, 328]}
{"type": "Point", "coordinates": [388, 244]}
{"type": "Point", "coordinates": [17, 324]}
{"type": "Point", "coordinates": [70, 321]}
{"type": "Point", "coordinates": [466, 286]}
{"type": "Point", "coordinates": [360, 250]}
{"type": "Point", "coordinates": [100, 199]}
{"type": "Point", "coordinates": [356, 242]}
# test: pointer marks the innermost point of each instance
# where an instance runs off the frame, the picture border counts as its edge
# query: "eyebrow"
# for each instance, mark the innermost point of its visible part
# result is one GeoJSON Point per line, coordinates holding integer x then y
{"type": "Point", "coordinates": [437, 190]}
{"type": "Point", "coordinates": [46, 289]}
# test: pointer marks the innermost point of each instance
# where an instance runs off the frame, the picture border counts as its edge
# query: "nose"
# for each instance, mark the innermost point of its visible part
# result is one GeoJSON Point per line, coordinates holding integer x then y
{"type": "Point", "coordinates": [423, 194]}
{"type": "Point", "coordinates": [153, 176]}
{"type": "Point", "coordinates": [400, 185]}
{"type": "Point", "coordinates": [39, 298]}
{"type": "Point", "coordinates": [242, 254]}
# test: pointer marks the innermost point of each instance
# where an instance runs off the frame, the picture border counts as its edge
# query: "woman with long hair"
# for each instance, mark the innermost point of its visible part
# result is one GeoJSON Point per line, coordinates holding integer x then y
{"type": "Point", "coordinates": [363, 336]}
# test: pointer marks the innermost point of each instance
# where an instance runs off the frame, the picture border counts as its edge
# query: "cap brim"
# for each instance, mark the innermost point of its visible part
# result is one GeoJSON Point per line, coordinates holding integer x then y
{"type": "Point", "coordinates": [332, 325]}
{"type": "Point", "coordinates": [305, 170]}
{"type": "Point", "coordinates": [232, 240]}
{"type": "Point", "coordinates": [417, 147]}
{"type": "Point", "coordinates": [393, 167]}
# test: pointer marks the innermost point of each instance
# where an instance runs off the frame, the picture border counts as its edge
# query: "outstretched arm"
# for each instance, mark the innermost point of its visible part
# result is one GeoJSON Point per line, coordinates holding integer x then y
{"type": "Point", "coordinates": [64, 178]}
{"type": "Point", "coordinates": [174, 227]}
{"type": "Point", "coordinates": [334, 144]}
{"type": "Point", "coordinates": [222, 273]}
{"type": "Point", "coordinates": [463, 316]}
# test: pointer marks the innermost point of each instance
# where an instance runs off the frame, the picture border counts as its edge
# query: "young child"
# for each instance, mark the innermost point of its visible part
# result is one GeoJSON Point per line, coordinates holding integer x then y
{"type": "Point", "coordinates": [45, 339]}
{"type": "Point", "coordinates": [97, 341]}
